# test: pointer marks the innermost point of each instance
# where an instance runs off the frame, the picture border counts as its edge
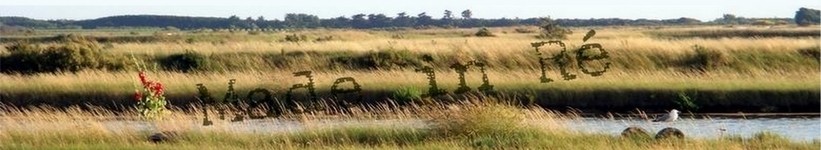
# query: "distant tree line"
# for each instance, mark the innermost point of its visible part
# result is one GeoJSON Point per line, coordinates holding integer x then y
{"type": "Point", "coordinates": [367, 21]}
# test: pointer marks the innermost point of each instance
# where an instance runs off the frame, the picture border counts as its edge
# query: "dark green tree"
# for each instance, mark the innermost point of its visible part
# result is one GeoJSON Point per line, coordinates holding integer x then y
{"type": "Point", "coordinates": [301, 21]}
{"type": "Point", "coordinates": [379, 20]}
{"type": "Point", "coordinates": [806, 16]}
{"type": "Point", "coordinates": [727, 19]}
{"type": "Point", "coordinates": [260, 19]}
{"type": "Point", "coordinates": [359, 21]}
{"type": "Point", "coordinates": [233, 18]}
{"type": "Point", "coordinates": [423, 19]}
{"type": "Point", "coordinates": [447, 19]}
{"type": "Point", "coordinates": [338, 22]}
{"type": "Point", "coordinates": [249, 23]}
{"type": "Point", "coordinates": [403, 20]}
{"type": "Point", "coordinates": [448, 15]}
{"type": "Point", "coordinates": [262, 23]}
{"type": "Point", "coordinates": [684, 21]}
{"type": "Point", "coordinates": [467, 14]}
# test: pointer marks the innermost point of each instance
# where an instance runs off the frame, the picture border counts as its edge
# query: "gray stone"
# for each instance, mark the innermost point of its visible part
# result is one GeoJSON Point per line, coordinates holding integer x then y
{"type": "Point", "coordinates": [162, 136]}
{"type": "Point", "coordinates": [669, 132]}
{"type": "Point", "coordinates": [634, 131]}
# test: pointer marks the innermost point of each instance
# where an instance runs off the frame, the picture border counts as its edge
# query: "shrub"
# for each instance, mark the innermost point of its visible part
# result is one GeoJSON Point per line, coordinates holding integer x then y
{"type": "Point", "coordinates": [552, 30]}
{"type": "Point", "coordinates": [708, 59]}
{"type": "Point", "coordinates": [185, 62]}
{"type": "Point", "coordinates": [75, 53]}
{"type": "Point", "coordinates": [481, 120]}
{"type": "Point", "coordinates": [254, 32]}
{"type": "Point", "coordinates": [23, 58]}
{"type": "Point", "coordinates": [523, 30]}
{"type": "Point", "coordinates": [489, 125]}
{"type": "Point", "coordinates": [807, 16]}
{"type": "Point", "coordinates": [406, 95]}
{"type": "Point", "coordinates": [398, 36]}
{"type": "Point", "coordinates": [295, 38]}
{"type": "Point", "coordinates": [387, 59]}
{"type": "Point", "coordinates": [814, 52]}
{"type": "Point", "coordinates": [324, 38]}
{"type": "Point", "coordinates": [686, 102]}
{"type": "Point", "coordinates": [191, 40]}
{"type": "Point", "coordinates": [484, 32]}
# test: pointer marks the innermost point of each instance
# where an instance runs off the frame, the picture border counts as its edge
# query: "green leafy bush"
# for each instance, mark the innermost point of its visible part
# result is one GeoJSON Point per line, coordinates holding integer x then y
{"type": "Point", "coordinates": [325, 38]}
{"type": "Point", "coordinates": [407, 95]}
{"type": "Point", "coordinates": [814, 52]}
{"type": "Point", "coordinates": [185, 62]}
{"type": "Point", "coordinates": [380, 60]}
{"type": "Point", "coordinates": [552, 30]}
{"type": "Point", "coordinates": [74, 53]}
{"type": "Point", "coordinates": [708, 59]}
{"type": "Point", "coordinates": [484, 32]}
{"type": "Point", "coordinates": [295, 38]}
{"type": "Point", "coordinates": [807, 16]}
{"type": "Point", "coordinates": [686, 102]}
{"type": "Point", "coordinates": [524, 30]}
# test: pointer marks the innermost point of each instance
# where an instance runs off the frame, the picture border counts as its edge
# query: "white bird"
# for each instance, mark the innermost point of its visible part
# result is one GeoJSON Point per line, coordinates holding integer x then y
{"type": "Point", "coordinates": [669, 117]}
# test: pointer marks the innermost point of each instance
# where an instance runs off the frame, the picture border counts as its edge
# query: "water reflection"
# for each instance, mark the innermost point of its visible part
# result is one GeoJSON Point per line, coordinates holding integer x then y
{"type": "Point", "coordinates": [801, 129]}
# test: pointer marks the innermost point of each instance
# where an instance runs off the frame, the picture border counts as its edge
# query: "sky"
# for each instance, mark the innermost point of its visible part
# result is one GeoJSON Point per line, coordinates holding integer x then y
{"type": "Point", "coordinates": [704, 10]}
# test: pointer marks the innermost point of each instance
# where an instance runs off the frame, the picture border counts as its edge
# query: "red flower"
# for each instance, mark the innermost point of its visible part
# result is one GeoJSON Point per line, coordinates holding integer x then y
{"type": "Point", "coordinates": [157, 88]}
{"type": "Point", "coordinates": [148, 84]}
{"type": "Point", "coordinates": [142, 78]}
{"type": "Point", "coordinates": [138, 96]}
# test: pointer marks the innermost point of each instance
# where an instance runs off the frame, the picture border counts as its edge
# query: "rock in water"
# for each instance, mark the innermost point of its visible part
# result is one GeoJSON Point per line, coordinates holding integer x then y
{"type": "Point", "coordinates": [634, 131]}
{"type": "Point", "coordinates": [669, 132]}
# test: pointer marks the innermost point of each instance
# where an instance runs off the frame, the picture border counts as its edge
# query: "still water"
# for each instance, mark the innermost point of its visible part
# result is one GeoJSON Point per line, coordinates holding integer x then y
{"type": "Point", "coordinates": [797, 129]}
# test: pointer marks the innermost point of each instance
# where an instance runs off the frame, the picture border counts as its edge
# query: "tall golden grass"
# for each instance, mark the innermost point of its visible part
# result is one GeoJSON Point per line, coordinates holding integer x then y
{"type": "Point", "coordinates": [124, 82]}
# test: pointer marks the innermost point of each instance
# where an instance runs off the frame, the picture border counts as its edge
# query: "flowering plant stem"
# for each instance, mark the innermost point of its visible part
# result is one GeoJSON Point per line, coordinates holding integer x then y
{"type": "Point", "coordinates": [150, 98]}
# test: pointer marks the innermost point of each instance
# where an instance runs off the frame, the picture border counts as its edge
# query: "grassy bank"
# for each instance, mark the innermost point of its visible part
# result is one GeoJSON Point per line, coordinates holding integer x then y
{"type": "Point", "coordinates": [471, 125]}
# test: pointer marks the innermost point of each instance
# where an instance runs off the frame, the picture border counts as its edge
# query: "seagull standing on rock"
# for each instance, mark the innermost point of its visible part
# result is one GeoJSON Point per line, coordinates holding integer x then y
{"type": "Point", "coordinates": [669, 117]}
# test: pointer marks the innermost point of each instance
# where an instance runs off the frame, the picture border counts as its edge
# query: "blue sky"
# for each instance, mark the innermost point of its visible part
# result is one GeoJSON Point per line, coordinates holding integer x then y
{"type": "Point", "coordinates": [631, 9]}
